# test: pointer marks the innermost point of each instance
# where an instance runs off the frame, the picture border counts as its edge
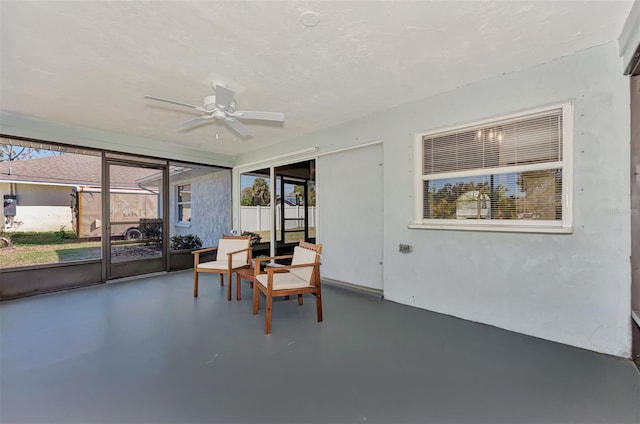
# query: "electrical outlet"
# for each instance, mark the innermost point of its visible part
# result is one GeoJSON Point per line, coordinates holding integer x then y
{"type": "Point", "coordinates": [405, 248]}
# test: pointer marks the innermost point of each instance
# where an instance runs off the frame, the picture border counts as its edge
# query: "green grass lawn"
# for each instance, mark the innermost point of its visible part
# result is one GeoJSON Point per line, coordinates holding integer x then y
{"type": "Point", "coordinates": [46, 248]}
{"type": "Point", "coordinates": [38, 248]}
{"type": "Point", "coordinates": [290, 237]}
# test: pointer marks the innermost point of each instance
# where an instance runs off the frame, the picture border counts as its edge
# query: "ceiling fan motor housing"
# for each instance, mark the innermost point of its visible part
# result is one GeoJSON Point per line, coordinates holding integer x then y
{"type": "Point", "coordinates": [211, 106]}
{"type": "Point", "coordinates": [210, 103]}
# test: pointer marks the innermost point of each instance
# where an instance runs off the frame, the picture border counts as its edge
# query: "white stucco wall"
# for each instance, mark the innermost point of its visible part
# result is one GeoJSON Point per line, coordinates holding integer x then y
{"type": "Point", "coordinates": [210, 207]}
{"type": "Point", "coordinates": [41, 207]}
{"type": "Point", "coordinates": [42, 218]}
{"type": "Point", "coordinates": [574, 288]}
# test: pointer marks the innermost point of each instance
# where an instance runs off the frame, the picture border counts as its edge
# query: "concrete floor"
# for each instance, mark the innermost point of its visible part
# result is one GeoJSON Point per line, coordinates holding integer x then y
{"type": "Point", "coordinates": [146, 351]}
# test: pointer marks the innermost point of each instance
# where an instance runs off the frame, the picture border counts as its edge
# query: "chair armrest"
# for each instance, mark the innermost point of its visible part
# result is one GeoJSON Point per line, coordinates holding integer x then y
{"type": "Point", "coordinates": [238, 251]}
{"type": "Point", "coordinates": [208, 249]}
{"type": "Point", "coordinates": [269, 258]}
{"type": "Point", "coordinates": [285, 267]}
{"type": "Point", "coordinates": [256, 262]}
{"type": "Point", "coordinates": [230, 256]}
{"type": "Point", "coordinates": [196, 254]}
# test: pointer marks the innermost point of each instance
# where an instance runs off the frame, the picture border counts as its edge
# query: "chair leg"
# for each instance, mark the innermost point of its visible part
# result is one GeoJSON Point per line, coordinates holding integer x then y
{"type": "Point", "coordinates": [300, 299]}
{"type": "Point", "coordinates": [256, 299]}
{"type": "Point", "coordinates": [221, 280]}
{"type": "Point", "coordinates": [267, 323]}
{"type": "Point", "coordinates": [229, 281]}
{"type": "Point", "coordinates": [195, 283]}
{"type": "Point", "coordinates": [238, 287]}
{"type": "Point", "coordinates": [319, 304]}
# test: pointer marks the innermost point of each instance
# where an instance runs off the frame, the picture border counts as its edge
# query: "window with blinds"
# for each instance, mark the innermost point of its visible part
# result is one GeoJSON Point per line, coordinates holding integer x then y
{"type": "Point", "coordinates": [510, 172]}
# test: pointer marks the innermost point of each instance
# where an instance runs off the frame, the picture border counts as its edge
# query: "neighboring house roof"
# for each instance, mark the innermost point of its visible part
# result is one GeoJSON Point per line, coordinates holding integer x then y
{"type": "Point", "coordinates": [286, 200]}
{"type": "Point", "coordinates": [70, 169]}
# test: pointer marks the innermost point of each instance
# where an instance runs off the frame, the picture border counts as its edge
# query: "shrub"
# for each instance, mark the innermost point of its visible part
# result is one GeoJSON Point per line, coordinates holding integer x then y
{"type": "Point", "coordinates": [62, 234]}
{"type": "Point", "coordinates": [188, 241]}
{"type": "Point", "coordinates": [151, 230]}
{"type": "Point", "coordinates": [255, 237]}
{"type": "Point", "coordinates": [41, 237]}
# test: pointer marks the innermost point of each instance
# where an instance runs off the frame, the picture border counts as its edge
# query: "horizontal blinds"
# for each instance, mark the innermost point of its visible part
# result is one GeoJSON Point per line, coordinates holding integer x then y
{"type": "Point", "coordinates": [525, 140]}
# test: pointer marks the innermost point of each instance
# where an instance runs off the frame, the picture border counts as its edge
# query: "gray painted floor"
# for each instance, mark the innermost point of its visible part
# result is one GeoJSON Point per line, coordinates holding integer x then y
{"type": "Point", "coordinates": [146, 351]}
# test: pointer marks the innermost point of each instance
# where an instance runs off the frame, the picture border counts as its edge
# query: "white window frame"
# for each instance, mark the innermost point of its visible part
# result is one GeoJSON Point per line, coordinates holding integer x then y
{"type": "Point", "coordinates": [179, 222]}
{"type": "Point", "coordinates": [534, 226]}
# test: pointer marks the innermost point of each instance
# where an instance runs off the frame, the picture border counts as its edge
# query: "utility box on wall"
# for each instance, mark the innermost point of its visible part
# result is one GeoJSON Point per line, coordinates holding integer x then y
{"type": "Point", "coordinates": [10, 203]}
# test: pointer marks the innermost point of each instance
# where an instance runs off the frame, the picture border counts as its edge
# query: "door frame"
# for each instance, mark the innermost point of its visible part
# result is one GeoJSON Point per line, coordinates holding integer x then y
{"type": "Point", "coordinates": [142, 266]}
{"type": "Point", "coordinates": [634, 86]}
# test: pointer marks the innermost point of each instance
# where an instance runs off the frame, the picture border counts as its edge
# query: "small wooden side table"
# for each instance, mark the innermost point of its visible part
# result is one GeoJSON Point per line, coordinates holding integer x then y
{"type": "Point", "coordinates": [243, 274]}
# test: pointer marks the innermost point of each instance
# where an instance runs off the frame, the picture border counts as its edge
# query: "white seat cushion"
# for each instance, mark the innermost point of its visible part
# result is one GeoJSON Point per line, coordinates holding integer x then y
{"type": "Point", "coordinates": [283, 281]}
{"type": "Point", "coordinates": [221, 264]}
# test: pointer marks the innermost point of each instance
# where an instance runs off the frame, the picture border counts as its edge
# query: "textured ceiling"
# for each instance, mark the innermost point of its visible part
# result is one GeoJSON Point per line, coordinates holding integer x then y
{"type": "Point", "coordinates": [90, 63]}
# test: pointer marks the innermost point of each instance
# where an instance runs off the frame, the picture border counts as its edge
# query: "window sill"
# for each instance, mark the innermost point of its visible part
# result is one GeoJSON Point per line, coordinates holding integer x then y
{"type": "Point", "coordinates": [182, 224]}
{"type": "Point", "coordinates": [495, 228]}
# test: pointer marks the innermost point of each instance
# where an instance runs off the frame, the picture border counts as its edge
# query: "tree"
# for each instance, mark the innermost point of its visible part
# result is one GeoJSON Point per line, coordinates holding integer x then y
{"type": "Point", "coordinates": [256, 195]}
{"type": "Point", "coordinates": [443, 203]}
{"type": "Point", "coordinates": [10, 153]}
{"type": "Point", "coordinates": [542, 190]}
{"type": "Point", "coordinates": [298, 192]}
{"type": "Point", "coordinates": [504, 206]}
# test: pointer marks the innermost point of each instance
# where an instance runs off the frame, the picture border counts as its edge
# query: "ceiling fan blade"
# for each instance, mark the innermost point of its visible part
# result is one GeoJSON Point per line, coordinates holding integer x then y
{"type": "Point", "coordinates": [160, 99]}
{"type": "Point", "coordinates": [224, 97]}
{"type": "Point", "coordinates": [239, 127]}
{"type": "Point", "coordinates": [255, 114]}
{"type": "Point", "coordinates": [194, 121]}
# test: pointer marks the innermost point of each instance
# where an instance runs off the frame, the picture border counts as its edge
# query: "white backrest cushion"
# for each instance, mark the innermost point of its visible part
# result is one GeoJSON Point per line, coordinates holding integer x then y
{"type": "Point", "coordinates": [231, 245]}
{"type": "Point", "coordinates": [303, 256]}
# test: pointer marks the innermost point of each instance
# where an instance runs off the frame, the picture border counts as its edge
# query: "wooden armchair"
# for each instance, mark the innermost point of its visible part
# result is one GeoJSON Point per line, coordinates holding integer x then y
{"type": "Point", "coordinates": [233, 252]}
{"type": "Point", "coordinates": [302, 276]}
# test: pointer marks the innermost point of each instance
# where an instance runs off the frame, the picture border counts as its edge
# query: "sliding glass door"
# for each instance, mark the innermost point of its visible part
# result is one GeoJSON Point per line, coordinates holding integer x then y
{"type": "Point", "coordinates": [278, 204]}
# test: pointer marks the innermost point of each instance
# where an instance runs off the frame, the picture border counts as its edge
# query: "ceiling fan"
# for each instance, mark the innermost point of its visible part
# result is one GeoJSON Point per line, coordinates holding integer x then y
{"type": "Point", "coordinates": [222, 106]}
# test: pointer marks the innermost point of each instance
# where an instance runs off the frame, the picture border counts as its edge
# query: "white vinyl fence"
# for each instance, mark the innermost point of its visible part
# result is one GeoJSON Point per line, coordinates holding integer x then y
{"type": "Point", "coordinates": [258, 218]}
